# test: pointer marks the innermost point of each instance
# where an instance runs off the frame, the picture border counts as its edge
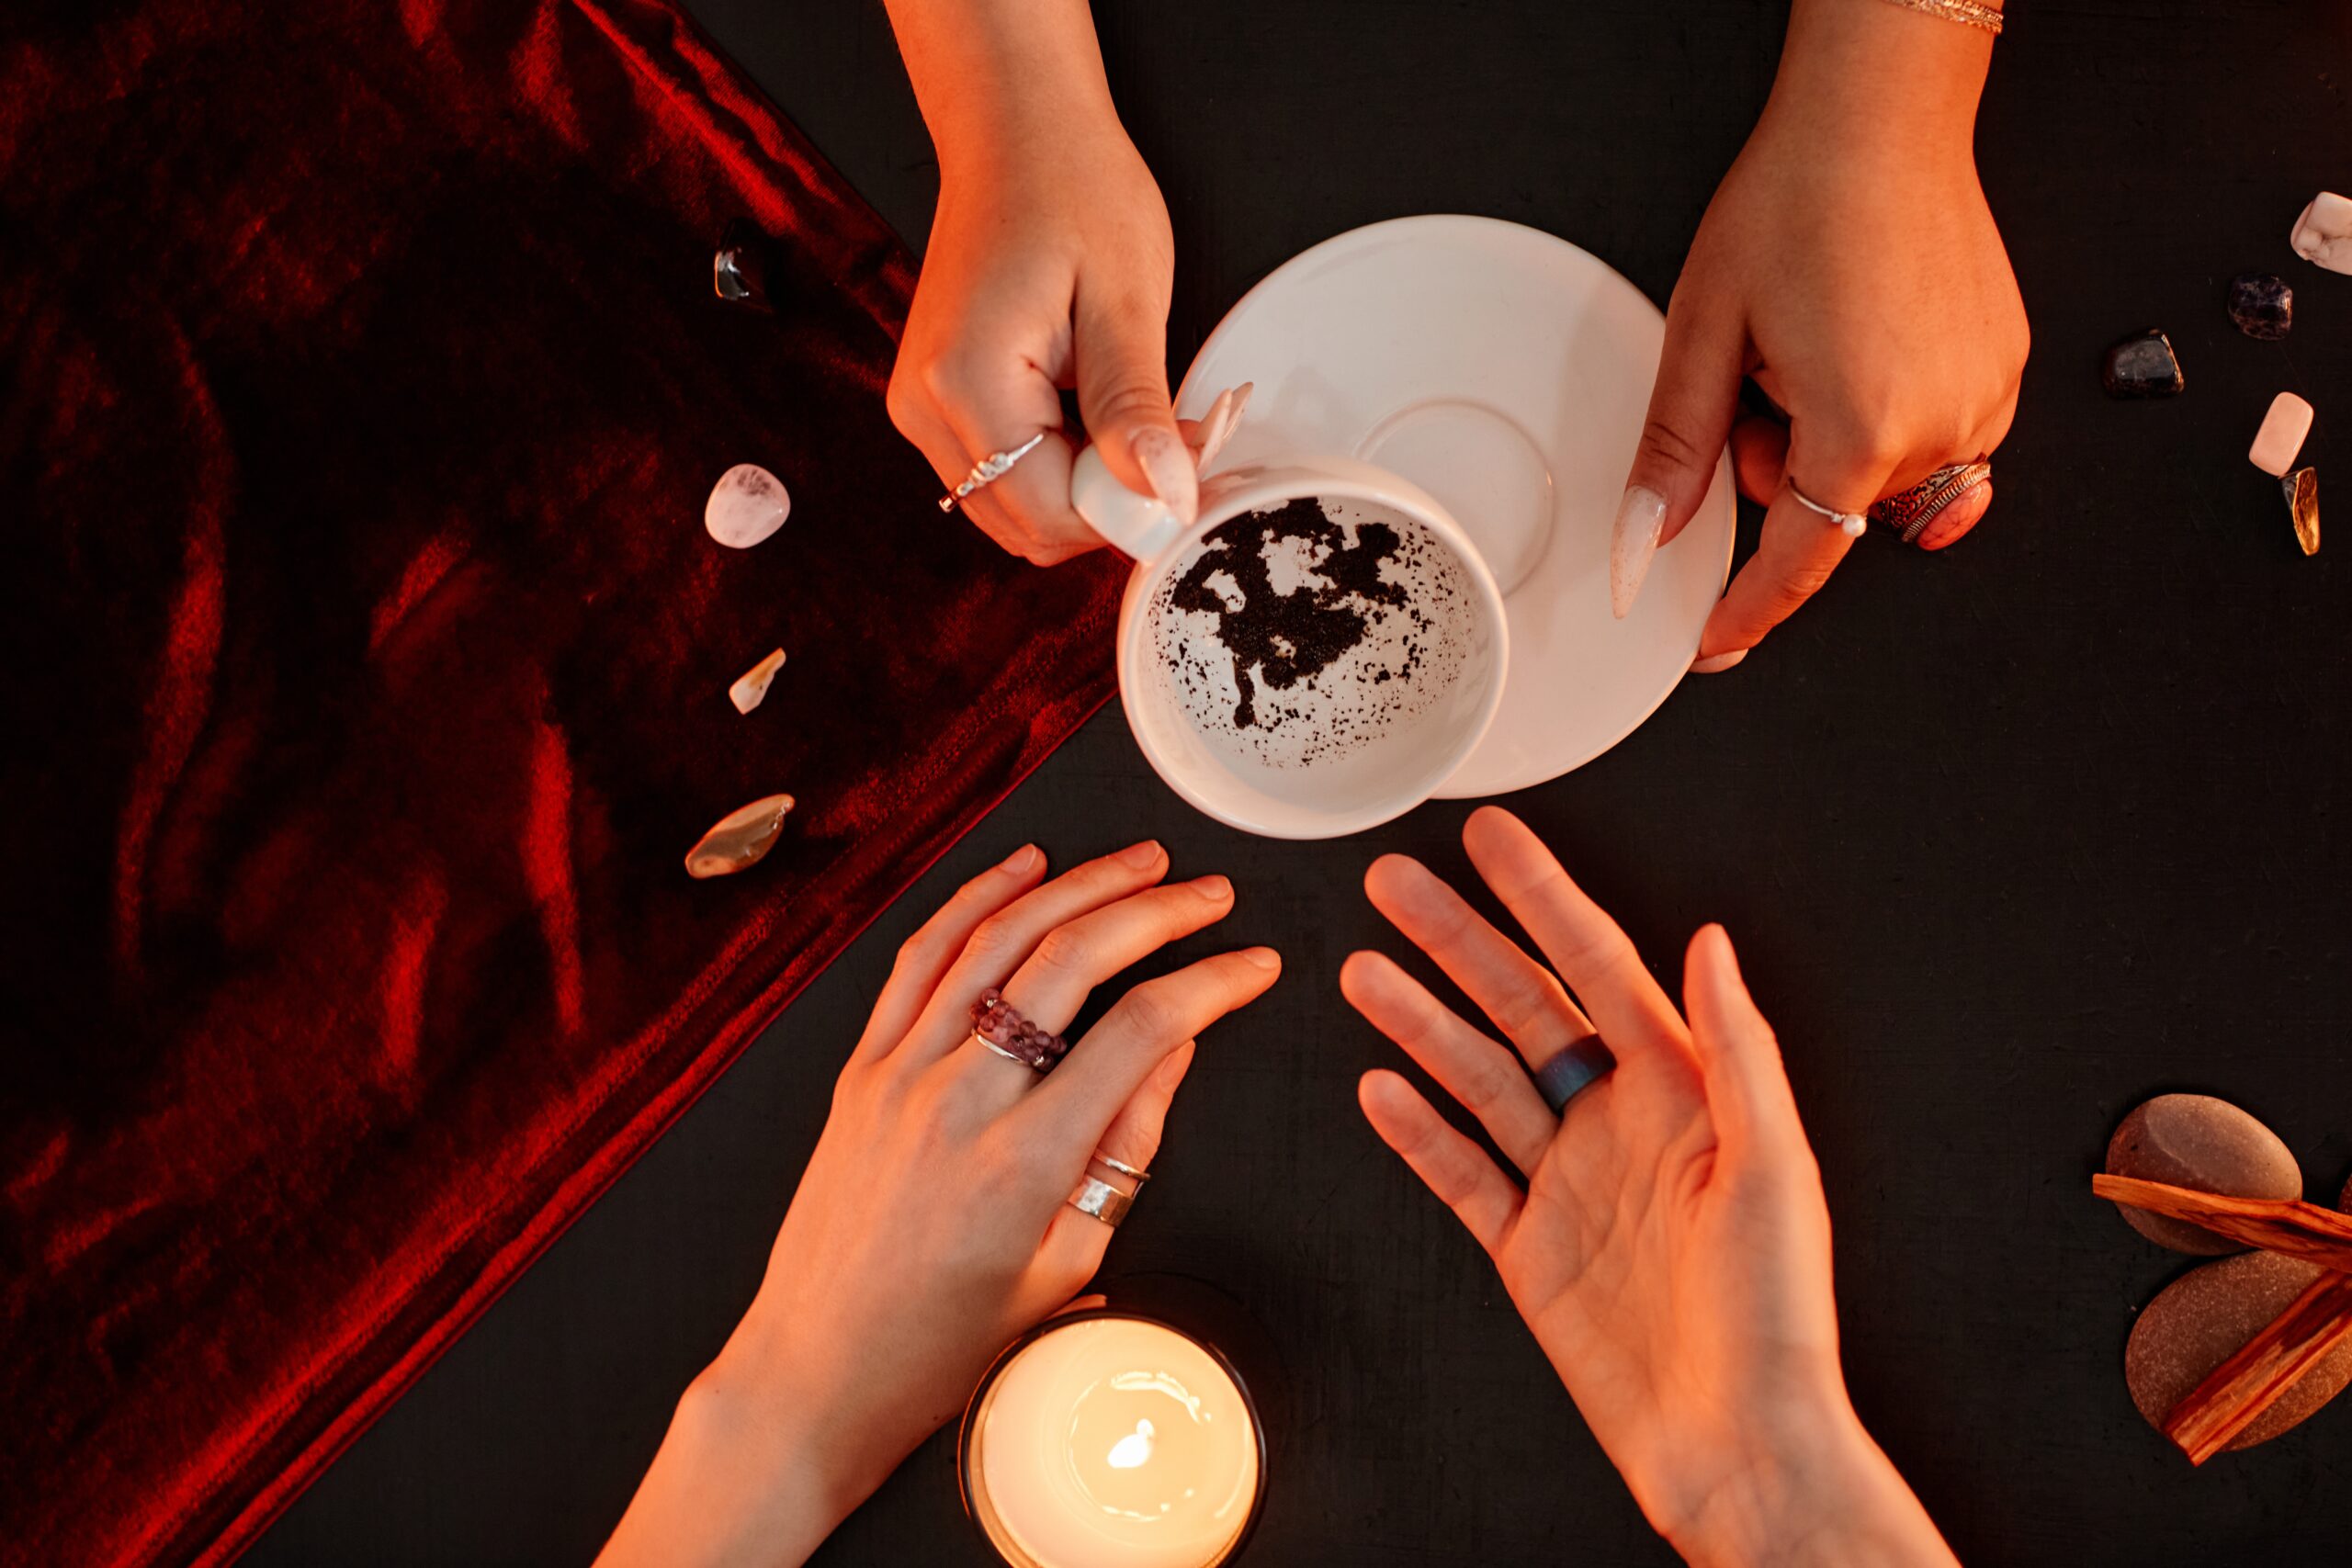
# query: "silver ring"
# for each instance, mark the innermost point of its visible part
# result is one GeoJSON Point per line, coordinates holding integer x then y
{"type": "Point", "coordinates": [1098, 1199]}
{"type": "Point", "coordinates": [1001, 1051]}
{"type": "Point", "coordinates": [1122, 1166]}
{"type": "Point", "coordinates": [1573, 1071]}
{"type": "Point", "coordinates": [1852, 522]}
{"type": "Point", "coordinates": [987, 471]}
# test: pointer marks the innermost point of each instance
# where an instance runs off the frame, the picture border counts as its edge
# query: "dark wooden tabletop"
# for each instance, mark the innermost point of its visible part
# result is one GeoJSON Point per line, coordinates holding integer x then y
{"type": "Point", "coordinates": [2009, 838]}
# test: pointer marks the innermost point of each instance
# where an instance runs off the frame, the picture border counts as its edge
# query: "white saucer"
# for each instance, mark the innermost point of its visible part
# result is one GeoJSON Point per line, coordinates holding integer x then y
{"type": "Point", "coordinates": [1507, 372]}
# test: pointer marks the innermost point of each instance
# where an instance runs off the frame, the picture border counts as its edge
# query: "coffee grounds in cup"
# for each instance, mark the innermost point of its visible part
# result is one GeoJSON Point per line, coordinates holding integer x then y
{"type": "Point", "coordinates": [1289, 637]}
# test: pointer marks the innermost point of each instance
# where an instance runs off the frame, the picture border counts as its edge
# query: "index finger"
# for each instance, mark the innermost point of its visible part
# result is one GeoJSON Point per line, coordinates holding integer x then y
{"type": "Point", "coordinates": [1596, 957]}
{"type": "Point", "coordinates": [1799, 550]}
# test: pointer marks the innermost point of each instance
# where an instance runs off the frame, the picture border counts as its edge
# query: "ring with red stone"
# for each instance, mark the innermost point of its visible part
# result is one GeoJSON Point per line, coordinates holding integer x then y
{"type": "Point", "coordinates": [998, 1025]}
{"type": "Point", "coordinates": [1907, 513]}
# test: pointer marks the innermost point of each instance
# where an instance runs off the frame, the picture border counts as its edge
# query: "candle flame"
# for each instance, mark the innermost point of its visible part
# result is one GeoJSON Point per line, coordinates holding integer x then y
{"type": "Point", "coordinates": [1134, 1448]}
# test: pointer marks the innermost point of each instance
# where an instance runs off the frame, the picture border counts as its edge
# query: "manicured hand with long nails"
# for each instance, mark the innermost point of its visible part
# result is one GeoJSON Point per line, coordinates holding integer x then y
{"type": "Point", "coordinates": [932, 1225]}
{"type": "Point", "coordinates": [1849, 264]}
{"type": "Point", "coordinates": [1670, 1245]}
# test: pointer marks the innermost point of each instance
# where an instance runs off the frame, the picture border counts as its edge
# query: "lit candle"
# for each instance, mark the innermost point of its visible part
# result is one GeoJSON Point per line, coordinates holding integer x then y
{"type": "Point", "coordinates": [1109, 1441]}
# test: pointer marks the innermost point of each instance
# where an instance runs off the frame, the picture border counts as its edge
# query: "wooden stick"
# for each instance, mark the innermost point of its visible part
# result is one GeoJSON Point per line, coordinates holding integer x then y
{"type": "Point", "coordinates": [2241, 1388]}
{"type": "Point", "coordinates": [2288, 1226]}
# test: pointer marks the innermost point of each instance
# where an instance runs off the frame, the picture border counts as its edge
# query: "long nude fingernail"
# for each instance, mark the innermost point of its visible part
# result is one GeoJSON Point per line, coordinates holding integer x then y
{"type": "Point", "coordinates": [1168, 466]}
{"type": "Point", "coordinates": [1716, 665]}
{"type": "Point", "coordinates": [1224, 419]}
{"type": "Point", "coordinates": [1640, 516]}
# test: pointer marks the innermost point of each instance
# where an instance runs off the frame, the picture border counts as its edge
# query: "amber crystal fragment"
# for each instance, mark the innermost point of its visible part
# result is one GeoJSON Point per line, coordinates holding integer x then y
{"type": "Point", "coordinates": [742, 838]}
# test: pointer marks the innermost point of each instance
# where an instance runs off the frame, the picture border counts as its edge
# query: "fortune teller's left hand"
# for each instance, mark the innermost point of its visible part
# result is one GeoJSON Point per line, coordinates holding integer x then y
{"type": "Point", "coordinates": [1670, 1250]}
{"type": "Point", "coordinates": [937, 1219]}
{"type": "Point", "coordinates": [1849, 264]}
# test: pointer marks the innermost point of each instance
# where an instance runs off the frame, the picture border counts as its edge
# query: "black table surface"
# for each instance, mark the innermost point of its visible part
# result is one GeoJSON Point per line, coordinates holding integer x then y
{"type": "Point", "coordinates": [2010, 837]}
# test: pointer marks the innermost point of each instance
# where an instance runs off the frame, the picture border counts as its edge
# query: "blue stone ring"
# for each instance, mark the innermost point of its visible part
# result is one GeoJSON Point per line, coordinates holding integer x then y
{"type": "Point", "coordinates": [1573, 1071]}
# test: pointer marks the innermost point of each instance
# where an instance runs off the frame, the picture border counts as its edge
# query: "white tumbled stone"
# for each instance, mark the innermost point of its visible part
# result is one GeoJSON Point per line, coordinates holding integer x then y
{"type": "Point", "coordinates": [2324, 233]}
{"type": "Point", "coordinates": [746, 505]}
{"type": "Point", "coordinates": [750, 688]}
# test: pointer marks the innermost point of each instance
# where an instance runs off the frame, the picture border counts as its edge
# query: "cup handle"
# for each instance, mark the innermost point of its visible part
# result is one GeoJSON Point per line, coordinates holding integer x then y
{"type": "Point", "coordinates": [1142, 525]}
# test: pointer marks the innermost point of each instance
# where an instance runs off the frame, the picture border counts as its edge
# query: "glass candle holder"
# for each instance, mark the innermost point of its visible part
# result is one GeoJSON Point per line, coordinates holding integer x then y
{"type": "Point", "coordinates": [1111, 1439]}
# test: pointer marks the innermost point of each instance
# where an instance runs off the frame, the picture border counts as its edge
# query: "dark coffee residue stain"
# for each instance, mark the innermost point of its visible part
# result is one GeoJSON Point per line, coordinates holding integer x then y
{"type": "Point", "coordinates": [1291, 636]}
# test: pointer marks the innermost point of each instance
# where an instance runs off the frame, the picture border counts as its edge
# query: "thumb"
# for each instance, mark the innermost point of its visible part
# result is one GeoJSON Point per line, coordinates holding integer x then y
{"type": "Point", "coordinates": [1121, 348]}
{"type": "Point", "coordinates": [1691, 405]}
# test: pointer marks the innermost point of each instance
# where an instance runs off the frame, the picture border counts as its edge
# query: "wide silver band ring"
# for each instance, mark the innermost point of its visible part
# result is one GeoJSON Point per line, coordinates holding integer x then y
{"type": "Point", "coordinates": [987, 471]}
{"type": "Point", "coordinates": [1907, 513]}
{"type": "Point", "coordinates": [1573, 1071]}
{"type": "Point", "coordinates": [1098, 1199]}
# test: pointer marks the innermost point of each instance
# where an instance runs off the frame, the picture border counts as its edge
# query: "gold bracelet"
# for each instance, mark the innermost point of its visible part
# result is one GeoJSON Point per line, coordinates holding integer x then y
{"type": "Point", "coordinates": [1966, 12]}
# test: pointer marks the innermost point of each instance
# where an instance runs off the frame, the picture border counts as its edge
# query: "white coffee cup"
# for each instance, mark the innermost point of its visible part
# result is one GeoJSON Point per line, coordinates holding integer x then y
{"type": "Point", "coordinates": [1367, 738]}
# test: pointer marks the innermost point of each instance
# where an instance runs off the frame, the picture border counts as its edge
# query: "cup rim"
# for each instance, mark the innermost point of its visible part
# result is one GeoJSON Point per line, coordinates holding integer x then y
{"type": "Point", "coordinates": [1353, 478]}
{"type": "Point", "coordinates": [1035, 1332]}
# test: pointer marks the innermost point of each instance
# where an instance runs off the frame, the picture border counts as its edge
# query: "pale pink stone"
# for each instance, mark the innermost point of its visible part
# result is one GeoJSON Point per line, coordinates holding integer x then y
{"type": "Point", "coordinates": [2323, 232]}
{"type": "Point", "coordinates": [750, 688]}
{"type": "Point", "coordinates": [2281, 436]}
{"type": "Point", "coordinates": [746, 505]}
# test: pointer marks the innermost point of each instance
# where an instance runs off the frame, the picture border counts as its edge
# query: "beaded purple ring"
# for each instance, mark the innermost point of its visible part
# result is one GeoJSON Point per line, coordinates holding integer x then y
{"type": "Point", "coordinates": [998, 1026]}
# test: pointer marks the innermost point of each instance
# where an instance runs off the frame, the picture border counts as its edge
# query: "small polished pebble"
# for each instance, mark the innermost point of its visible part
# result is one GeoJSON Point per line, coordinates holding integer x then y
{"type": "Point", "coordinates": [2302, 504]}
{"type": "Point", "coordinates": [741, 266]}
{"type": "Point", "coordinates": [2262, 306]}
{"type": "Point", "coordinates": [746, 505]}
{"type": "Point", "coordinates": [750, 688]}
{"type": "Point", "coordinates": [2142, 366]}
{"type": "Point", "coordinates": [2281, 436]}
{"type": "Point", "coordinates": [742, 838]}
{"type": "Point", "coordinates": [2208, 1145]}
{"type": "Point", "coordinates": [2324, 233]}
{"type": "Point", "coordinates": [2203, 1318]}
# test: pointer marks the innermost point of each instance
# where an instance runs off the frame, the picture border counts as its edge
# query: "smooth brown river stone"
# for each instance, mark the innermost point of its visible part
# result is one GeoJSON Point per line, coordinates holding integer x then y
{"type": "Point", "coordinates": [2206, 1145]}
{"type": "Point", "coordinates": [2205, 1317]}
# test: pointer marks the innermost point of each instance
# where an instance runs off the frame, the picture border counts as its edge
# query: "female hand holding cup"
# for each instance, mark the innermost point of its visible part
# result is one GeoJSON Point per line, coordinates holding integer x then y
{"type": "Point", "coordinates": [939, 1216]}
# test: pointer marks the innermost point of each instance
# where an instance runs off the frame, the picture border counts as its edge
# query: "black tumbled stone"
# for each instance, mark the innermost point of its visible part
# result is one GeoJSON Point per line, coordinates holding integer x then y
{"type": "Point", "coordinates": [2142, 366]}
{"type": "Point", "coordinates": [2261, 305]}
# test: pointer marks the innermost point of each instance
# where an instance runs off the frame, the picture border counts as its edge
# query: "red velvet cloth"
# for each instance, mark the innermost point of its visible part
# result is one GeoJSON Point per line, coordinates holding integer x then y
{"type": "Point", "coordinates": [363, 665]}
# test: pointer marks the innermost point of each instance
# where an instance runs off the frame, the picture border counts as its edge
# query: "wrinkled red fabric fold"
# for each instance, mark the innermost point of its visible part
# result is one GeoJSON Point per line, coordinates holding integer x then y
{"type": "Point", "coordinates": [364, 665]}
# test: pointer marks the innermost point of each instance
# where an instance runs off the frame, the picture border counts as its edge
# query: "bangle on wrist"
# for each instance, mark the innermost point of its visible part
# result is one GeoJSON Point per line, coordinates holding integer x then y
{"type": "Point", "coordinates": [1967, 13]}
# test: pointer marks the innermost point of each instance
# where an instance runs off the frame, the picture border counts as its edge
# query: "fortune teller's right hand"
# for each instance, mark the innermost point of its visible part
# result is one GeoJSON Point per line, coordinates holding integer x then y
{"type": "Point", "coordinates": [1670, 1248]}
{"type": "Point", "coordinates": [1049, 266]}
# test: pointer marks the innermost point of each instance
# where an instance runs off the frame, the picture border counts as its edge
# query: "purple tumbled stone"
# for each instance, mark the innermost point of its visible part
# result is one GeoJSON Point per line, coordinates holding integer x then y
{"type": "Point", "coordinates": [2262, 306]}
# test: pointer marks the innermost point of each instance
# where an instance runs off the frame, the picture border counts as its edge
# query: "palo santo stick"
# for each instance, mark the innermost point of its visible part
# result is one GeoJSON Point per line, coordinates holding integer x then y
{"type": "Point", "coordinates": [2289, 1227]}
{"type": "Point", "coordinates": [2238, 1390]}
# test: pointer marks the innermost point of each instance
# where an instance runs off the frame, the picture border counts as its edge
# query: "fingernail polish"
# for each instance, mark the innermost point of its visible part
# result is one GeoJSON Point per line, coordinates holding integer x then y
{"type": "Point", "coordinates": [1717, 663]}
{"type": "Point", "coordinates": [1225, 418]}
{"type": "Point", "coordinates": [1141, 855]}
{"type": "Point", "coordinates": [1168, 466]}
{"type": "Point", "coordinates": [1215, 889]}
{"type": "Point", "coordinates": [1641, 515]}
{"type": "Point", "coordinates": [1020, 860]}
